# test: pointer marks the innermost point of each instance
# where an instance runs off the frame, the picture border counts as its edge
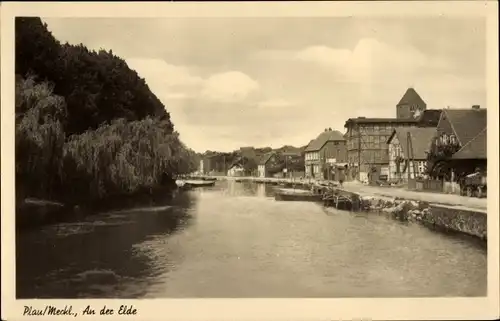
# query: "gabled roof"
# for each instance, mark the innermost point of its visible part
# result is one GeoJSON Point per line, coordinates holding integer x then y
{"type": "Point", "coordinates": [430, 118]}
{"type": "Point", "coordinates": [411, 97]}
{"type": "Point", "coordinates": [237, 164]}
{"type": "Point", "coordinates": [265, 158]}
{"type": "Point", "coordinates": [466, 123]}
{"type": "Point", "coordinates": [323, 138]}
{"type": "Point", "coordinates": [421, 140]}
{"type": "Point", "coordinates": [476, 148]}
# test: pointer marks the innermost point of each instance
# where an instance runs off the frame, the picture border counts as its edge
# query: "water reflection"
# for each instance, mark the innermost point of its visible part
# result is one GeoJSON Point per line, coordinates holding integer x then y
{"type": "Point", "coordinates": [235, 240]}
{"type": "Point", "coordinates": [96, 257]}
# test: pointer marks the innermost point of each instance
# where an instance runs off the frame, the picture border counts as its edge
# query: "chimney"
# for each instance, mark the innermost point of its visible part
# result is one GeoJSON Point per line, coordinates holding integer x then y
{"type": "Point", "coordinates": [326, 129]}
{"type": "Point", "coordinates": [329, 129]}
{"type": "Point", "coordinates": [476, 107]}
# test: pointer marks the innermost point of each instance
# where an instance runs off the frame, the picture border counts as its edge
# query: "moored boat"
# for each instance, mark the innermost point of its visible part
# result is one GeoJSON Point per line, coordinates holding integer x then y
{"type": "Point", "coordinates": [300, 196]}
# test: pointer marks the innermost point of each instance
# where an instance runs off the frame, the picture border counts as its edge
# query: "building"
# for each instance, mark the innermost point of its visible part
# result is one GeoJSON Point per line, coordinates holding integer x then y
{"type": "Point", "coordinates": [324, 152]}
{"type": "Point", "coordinates": [207, 163]}
{"type": "Point", "coordinates": [410, 106]}
{"type": "Point", "coordinates": [429, 118]}
{"type": "Point", "coordinates": [236, 170]}
{"type": "Point", "coordinates": [201, 167]}
{"type": "Point", "coordinates": [263, 162]}
{"type": "Point", "coordinates": [367, 148]}
{"type": "Point", "coordinates": [462, 133]}
{"type": "Point", "coordinates": [408, 150]}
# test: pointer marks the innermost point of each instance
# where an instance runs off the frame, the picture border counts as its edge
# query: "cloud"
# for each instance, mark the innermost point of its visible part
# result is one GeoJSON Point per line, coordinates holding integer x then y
{"type": "Point", "coordinates": [176, 96]}
{"type": "Point", "coordinates": [180, 82]}
{"type": "Point", "coordinates": [275, 103]}
{"type": "Point", "coordinates": [159, 72]}
{"type": "Point", "coordinates": [229, 86]}
{"type": "Point", "coordinates": [370, 61]}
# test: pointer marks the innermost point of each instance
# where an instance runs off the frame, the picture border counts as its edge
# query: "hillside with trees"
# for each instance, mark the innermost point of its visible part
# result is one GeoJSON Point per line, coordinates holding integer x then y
{"type": "Point", "coordinates": [286, 156]}
{"type": "Point", "coordinates": [87, 126]}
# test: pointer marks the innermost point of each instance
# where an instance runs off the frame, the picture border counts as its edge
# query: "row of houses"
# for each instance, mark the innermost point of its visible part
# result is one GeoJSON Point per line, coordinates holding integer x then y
{"type": "Point", "coordinates": [380, 149]}
{"type": "Point", "coordinates": [395, 149]}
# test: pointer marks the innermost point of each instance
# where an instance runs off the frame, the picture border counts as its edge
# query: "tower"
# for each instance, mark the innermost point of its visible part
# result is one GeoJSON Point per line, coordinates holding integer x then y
{"type": "Point", "coordinates": [411, 105]}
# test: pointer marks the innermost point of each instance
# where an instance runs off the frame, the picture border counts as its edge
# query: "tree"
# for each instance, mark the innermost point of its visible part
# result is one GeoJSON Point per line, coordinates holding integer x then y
{"type": "Point", "coordinates": [88, 126]}
{"type": "Point", "coordinates": [39, 137]}
{"type": "Point", "coordinates": [439, 157]}
{"type": "Point", "coordinates": [98, 86]}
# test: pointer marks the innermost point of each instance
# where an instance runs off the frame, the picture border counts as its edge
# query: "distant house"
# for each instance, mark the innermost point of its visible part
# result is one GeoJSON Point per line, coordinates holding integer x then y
{"type": "Point", "coordinates": [208, 163]}
{"type": "Point", "coordinates": [236, 170]}
{"type": "Point", "coordinates": [326, 150]}
{"type": "Point", "coordinates": [262, 166]}
{"type": "Point", "coordinates": [408, 149]}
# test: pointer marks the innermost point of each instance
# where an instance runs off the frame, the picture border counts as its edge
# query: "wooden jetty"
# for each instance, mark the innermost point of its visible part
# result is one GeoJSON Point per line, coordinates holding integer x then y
{"type": "Point", "coordinates": [330, 196]}
{"type": "Point", "coordinates": [341, 199]}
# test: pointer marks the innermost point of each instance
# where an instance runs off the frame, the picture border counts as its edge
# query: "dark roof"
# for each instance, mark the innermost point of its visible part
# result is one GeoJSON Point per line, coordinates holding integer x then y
{"type": "Point", "coordinates": [236, 164]}
{"type": "Point", "coordinates": [421, 140]}
{"type": "Point", "coordinates": [364, 120]}
{"type": "Point", "coordinates": [323, 138]}
{"type": "Point", "coordinates": [476, 148]}
{"type": "Point", "coordinates": [466, 123]}
{"type": "Point", "coordinates": [430, 118]}
{"type": "Point", "coordinates": [265, 158]}
{"type": "Point", "coordinates": [411, 97]}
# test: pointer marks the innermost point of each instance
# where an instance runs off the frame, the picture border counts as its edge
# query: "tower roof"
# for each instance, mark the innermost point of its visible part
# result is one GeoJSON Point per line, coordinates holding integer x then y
{"type": "Point", "coordinates": [411, 97]}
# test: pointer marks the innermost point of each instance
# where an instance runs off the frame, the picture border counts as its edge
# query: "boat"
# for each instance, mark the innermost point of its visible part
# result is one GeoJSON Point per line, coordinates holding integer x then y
{"type": "Point", "coordinates": [211, 179]}
{"type": "Point", "coordinates": [199, 183]}
{"type": "Point", "coordinates": [188, 184]}
{"type": "Point", "coordinates": [299, 195]}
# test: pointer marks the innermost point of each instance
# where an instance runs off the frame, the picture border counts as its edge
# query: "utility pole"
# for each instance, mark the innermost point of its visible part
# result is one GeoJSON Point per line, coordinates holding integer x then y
{"type": "Point", "coordinates": [408, 137]}
{"type": "Point", "coordinates": [286, 165]}
{"type": "Point", "coordinates": [359, 153]}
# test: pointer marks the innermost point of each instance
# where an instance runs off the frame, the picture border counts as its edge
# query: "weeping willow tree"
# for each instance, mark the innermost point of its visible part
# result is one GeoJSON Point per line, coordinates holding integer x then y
{"type": "Point", "coordinates": [39, 137]}
{"type": "Point", "coordinates": [124, 157]}
{"type": "Point", "coordinates": [116, 158]}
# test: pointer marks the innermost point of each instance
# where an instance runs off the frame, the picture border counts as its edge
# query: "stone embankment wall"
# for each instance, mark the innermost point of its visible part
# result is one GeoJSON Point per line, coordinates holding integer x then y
{"type": "Point", "coordinates": [466, 221]}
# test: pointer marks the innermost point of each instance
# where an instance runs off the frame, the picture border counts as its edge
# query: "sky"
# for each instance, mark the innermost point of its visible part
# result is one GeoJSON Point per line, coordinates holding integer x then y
{"type": "Point", "coordinates": [234, 82]}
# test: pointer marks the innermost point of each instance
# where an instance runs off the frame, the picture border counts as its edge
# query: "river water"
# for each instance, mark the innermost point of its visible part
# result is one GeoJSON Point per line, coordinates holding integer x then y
{"type": "Point", "coordinates": [235, 240]}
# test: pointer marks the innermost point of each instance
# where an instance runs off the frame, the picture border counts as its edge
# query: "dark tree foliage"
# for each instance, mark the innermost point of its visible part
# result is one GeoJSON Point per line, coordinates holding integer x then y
{"type": "Point", "coordinates": [87, 126]}
{"type": "Point", "coordinates": [438, 158]}
{"type": "Point", "coordinates": [98, 86]}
